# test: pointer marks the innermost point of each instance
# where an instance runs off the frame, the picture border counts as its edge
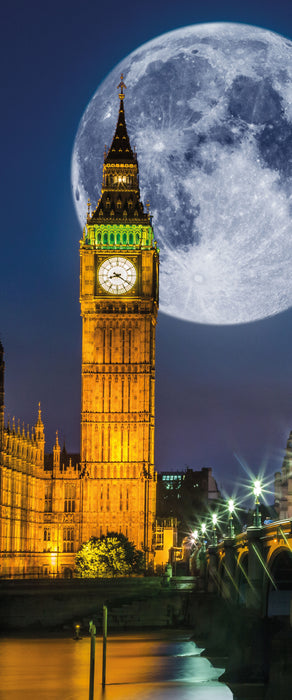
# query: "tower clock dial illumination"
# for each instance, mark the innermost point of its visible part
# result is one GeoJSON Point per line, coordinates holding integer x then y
{"type": "Point", "coordinates": [117, 275]}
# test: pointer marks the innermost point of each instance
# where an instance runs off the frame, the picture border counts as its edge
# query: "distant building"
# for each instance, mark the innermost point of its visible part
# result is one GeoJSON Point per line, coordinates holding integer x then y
{"type": "Point", "coordinates": [164, 542]}
{"type": "Point", "coordinates": [283, 484]}
{"type": "Point", "coordinates": [203, 480]}
{"type": "Point", "coordinates": [184, 495]}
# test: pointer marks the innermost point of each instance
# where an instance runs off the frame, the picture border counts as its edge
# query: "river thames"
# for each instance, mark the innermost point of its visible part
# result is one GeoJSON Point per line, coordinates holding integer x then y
{"type": "Point", "coordinates": [162, 665]}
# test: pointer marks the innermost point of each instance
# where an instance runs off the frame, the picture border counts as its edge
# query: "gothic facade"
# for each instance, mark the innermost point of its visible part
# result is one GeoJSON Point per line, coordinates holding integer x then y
{"type": "Point", "coordinates": [51, 504]}
{"type": "Point", "coordinates": [119, 302]}
{"type": "Point", "coordinates": [283, 484]}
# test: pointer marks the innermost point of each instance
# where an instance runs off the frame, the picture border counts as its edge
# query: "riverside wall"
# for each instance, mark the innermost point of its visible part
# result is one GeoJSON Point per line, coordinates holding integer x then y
{"type": "Point", "coordinates": [55, 604]}
{"type": "Point", "coordinates": [255, 651]}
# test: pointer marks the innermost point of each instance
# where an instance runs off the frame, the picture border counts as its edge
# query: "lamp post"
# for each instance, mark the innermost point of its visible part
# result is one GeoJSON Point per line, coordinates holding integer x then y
{"type": "Point", "coordinates": [203, 531]}
{"type": "Point", "coordinates": [202, 558]}
{"type": "Point", "coordinates": [214, 521]}
{"type": "Point", "coordinates": [230, 520]}
{"type": "Point", "coordinates": [257, 490]}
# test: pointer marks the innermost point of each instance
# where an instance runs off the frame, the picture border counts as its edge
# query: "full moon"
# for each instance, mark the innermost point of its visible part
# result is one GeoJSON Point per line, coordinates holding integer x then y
{"type": "Point", "coordinates": [209, 112]}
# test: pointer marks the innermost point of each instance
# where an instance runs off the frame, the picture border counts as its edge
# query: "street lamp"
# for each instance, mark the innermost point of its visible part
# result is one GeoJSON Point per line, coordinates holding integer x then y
{"type": "Point", "coordinates": [230, 520]}
{"type": "Point", "coordinates": [214, 521]}
{"type": "Point", "coordinates": [203, 531]}
{"type": "Point", "coordinates": [257, 490]}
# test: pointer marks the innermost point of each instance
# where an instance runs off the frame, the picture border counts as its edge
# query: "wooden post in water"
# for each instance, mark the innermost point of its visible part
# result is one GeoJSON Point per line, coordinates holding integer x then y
{"type": "Point", "coordinates": [92, 630]}
{"type": "Point", "coordinates": [104, 641]}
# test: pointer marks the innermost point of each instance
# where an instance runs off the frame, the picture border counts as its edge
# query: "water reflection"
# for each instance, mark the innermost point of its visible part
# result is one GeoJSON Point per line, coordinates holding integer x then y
{"type": "Point", "coordinates": [156, 666]}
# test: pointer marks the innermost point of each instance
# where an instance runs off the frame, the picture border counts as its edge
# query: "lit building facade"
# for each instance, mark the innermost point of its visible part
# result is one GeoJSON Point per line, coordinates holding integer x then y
{"type": "Point", "coordinates": [119, 302]}
{"type": "Point", "coordinates": [283, 484]}
{"type": "Point", "coordinates": [50, 504]}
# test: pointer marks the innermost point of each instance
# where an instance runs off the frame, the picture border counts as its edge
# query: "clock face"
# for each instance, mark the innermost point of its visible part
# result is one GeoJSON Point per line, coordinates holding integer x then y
{"type": "Point", "coordinates": [117, 275]}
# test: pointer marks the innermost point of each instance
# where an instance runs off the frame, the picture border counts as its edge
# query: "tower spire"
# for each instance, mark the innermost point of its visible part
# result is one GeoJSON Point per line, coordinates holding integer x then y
{"type": "Point", "coordinates": [120, 150]}
{"type": "Point", "coordinates": [120, 193]}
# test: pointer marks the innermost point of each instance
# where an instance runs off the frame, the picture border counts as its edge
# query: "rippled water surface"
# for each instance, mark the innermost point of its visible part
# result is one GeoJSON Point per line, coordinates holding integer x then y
{"type": "Point", "coordinates": [151, 666]}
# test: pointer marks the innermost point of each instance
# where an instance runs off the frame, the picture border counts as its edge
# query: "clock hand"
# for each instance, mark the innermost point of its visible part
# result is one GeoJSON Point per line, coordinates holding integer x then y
{"type": "Point", "coordinates": [119, 274]}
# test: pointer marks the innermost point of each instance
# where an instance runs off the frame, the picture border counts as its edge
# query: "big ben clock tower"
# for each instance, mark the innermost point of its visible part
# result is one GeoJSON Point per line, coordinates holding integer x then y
{"type": "Point", "coordinates": [119, 302]}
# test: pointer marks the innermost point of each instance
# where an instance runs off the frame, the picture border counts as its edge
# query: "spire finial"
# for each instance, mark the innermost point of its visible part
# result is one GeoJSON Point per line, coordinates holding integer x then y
{"type": "Point", "coordinates": [88, 209]}
{"type": "Point", "coordinates": [122, 85]}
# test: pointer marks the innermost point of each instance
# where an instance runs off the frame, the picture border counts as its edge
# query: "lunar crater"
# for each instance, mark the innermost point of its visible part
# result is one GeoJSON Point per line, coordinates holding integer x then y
{"type": "Point", "coordinates": [208, 109]}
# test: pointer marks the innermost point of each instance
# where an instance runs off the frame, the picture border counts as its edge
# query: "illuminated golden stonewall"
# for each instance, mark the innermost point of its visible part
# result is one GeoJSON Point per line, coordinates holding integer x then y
{"type": "Point", "coordinates": [119, 302]}
{"type": "Point", "coordinates": [51, 504]}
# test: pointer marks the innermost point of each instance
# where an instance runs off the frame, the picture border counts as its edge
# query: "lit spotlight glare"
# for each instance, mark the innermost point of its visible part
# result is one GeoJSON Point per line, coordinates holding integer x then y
{"type": "Point", "coordinates": [257, 488]}
{"type": "Point", "coordinates": [231, 506]}
{"type": "Point", "coordinates": [214, 519]}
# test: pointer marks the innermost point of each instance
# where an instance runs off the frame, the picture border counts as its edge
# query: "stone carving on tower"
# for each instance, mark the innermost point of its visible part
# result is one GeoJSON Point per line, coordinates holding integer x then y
{"type": "Point", "coordinates": [119, 303]}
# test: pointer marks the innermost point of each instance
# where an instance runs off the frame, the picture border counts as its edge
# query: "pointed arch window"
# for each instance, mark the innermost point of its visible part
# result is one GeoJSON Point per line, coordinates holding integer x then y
{"type": "Point", "coordinates": [68, 539]}
{"type": "Point", "coordinates": [48, 498]}
{"type": "Point", "coordinates": [69, 500]}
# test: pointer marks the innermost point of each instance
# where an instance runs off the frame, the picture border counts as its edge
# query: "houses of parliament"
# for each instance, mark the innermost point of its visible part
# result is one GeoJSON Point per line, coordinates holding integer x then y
{"type": "Point", "coordinates": [51, 504]}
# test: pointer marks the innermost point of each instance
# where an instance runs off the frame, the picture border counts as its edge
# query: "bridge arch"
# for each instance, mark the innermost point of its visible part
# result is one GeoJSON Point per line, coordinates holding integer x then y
{"type": "Point", "coordinates": [277, 597]}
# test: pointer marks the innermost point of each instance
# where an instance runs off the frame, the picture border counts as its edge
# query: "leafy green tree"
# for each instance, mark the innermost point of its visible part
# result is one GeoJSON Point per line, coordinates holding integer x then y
{"type": "Point", "coordinates": [110, 555]}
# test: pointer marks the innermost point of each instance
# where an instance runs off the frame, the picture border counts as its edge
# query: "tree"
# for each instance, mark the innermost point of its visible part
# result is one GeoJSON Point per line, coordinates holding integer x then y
{"type": "Point", "coordinates": [108, 556]}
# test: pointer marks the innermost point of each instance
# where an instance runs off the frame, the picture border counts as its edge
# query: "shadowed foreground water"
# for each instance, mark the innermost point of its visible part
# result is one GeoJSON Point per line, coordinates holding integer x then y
{"type": "Point", "coordinates": [156, 666]}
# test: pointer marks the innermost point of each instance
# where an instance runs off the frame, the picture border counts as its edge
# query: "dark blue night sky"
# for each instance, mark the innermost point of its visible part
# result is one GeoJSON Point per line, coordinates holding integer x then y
{"type": "Point", "coordinates": [220, 390]}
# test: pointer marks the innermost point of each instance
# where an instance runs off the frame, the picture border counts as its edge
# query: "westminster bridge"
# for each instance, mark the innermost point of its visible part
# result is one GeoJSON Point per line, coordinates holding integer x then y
{"type": "Point", "coordinates": [253, 568]}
